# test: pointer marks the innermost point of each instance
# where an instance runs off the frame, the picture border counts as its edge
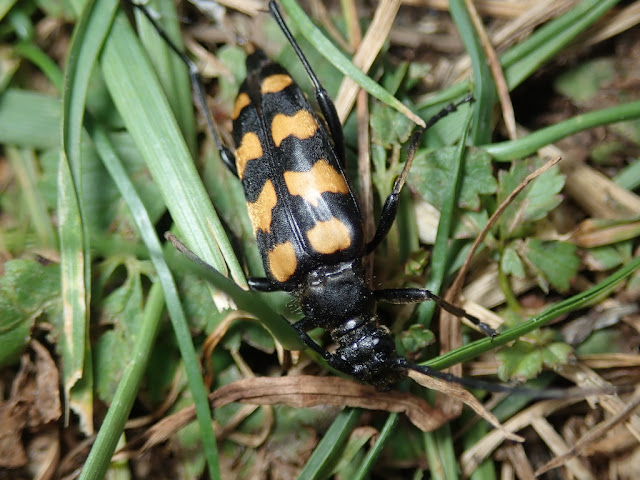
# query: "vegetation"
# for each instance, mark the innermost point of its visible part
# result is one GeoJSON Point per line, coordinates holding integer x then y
{"type": "Point", "coordinates": [106, 329]}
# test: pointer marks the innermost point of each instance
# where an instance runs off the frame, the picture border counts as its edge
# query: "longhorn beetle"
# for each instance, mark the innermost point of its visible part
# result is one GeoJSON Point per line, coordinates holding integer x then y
{"type": "Point", "coordinates": [307, 221]}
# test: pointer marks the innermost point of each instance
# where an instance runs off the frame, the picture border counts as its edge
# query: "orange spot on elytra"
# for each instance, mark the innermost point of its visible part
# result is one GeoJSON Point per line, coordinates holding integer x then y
{"type": "Point", "coordinates": [310, 185]}
{"type": "Point", "coordinates": [260, 210]}
{"type": "Point", "coordinates": [282, 261]}
{"type": "Point", "coordinates": [275, 83]}
{"type": "Point", "coordinates": [329, 236]}
{"type": "Point", "coordinates": [300, 125]}
{"type": "Point", "coordinates": [249, 149]}
{"type": "Point", "coordinates": [241, 101]}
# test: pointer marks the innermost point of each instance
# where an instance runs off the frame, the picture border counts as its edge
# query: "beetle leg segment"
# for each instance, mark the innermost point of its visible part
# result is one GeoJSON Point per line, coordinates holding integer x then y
{"type": "Point", "coordinates": [417, 295]}
{"type": "Point", "coordinates": [263, 284]}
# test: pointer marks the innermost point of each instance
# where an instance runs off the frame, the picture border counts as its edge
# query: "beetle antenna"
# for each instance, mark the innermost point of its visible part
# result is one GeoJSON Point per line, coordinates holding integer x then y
{"type": "Point", "coordinates": [547, 393]}
{"type": "Point", "coordinates": [196, 84]}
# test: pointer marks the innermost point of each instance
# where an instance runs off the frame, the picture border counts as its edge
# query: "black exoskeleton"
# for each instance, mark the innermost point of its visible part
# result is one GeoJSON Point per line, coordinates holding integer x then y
{"type": "Point", "coordinates": [336, 298]}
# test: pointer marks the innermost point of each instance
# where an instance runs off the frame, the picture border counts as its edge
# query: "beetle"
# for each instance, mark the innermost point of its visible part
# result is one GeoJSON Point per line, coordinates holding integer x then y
{"type": "Point", "coordinates": [307, 221]}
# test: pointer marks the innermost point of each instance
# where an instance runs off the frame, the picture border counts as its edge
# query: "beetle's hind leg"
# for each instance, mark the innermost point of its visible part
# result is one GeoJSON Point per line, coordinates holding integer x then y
{"type": "Point", "coordinates": [417, 295]}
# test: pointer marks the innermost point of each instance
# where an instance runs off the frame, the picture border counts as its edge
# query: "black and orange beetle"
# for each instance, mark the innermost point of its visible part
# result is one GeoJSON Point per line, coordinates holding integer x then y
{"type": "Point", "coordinates": [307, 221]}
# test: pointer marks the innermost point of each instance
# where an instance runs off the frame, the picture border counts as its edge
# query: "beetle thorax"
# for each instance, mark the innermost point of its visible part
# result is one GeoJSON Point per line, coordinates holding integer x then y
{"type": "Point", "coordinates": [334, 294]}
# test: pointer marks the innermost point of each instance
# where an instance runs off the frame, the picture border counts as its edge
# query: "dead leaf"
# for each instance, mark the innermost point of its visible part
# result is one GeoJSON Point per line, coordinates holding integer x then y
{"type": "Point", "coordinates": [13, 419]}
{"type": "Point", "coordinates": [46, 406]}
{"type": "Point", "coordinates": [460, 393]}
{"type": "Point", "coordinates": [306, 391]}
{"type": "Point", "coordinates": [34, 401]}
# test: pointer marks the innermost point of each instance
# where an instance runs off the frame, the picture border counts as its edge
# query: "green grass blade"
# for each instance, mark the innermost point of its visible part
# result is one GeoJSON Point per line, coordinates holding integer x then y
{"type": "Point", "coordinates": [75, 258]}
{"type": "Point", "coordinates": [374, 452]}
{"type": "Point", "coordinates": [5, 6]}
{"type": "Point", "coordinates": [526, 58]}
{"type": "Point", "coordinates": [99, 459]}
{"type": "Point", "coordinates": [439, 449]}
{"type": "Point", "coordinates": [75, 291]}
{"type": "Point", "coordinates": [511, 150]}
{"type": "Point", "coordinates": [486, 470]}
{"type": "Point", "coordinates": [29, 119]}
{"type": "Point", "coordinates": [24, 165]}
{"type": "Point", "coordinates": [629, 176]}
{"type": "Point", "coordinates": [330, 447]}
{"type": "Point", "coordinates": [171, 71]}
{"type": "Point", "coordinates": [35, 55]}
{"type": "Point", "coordinates": [484, 90]}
